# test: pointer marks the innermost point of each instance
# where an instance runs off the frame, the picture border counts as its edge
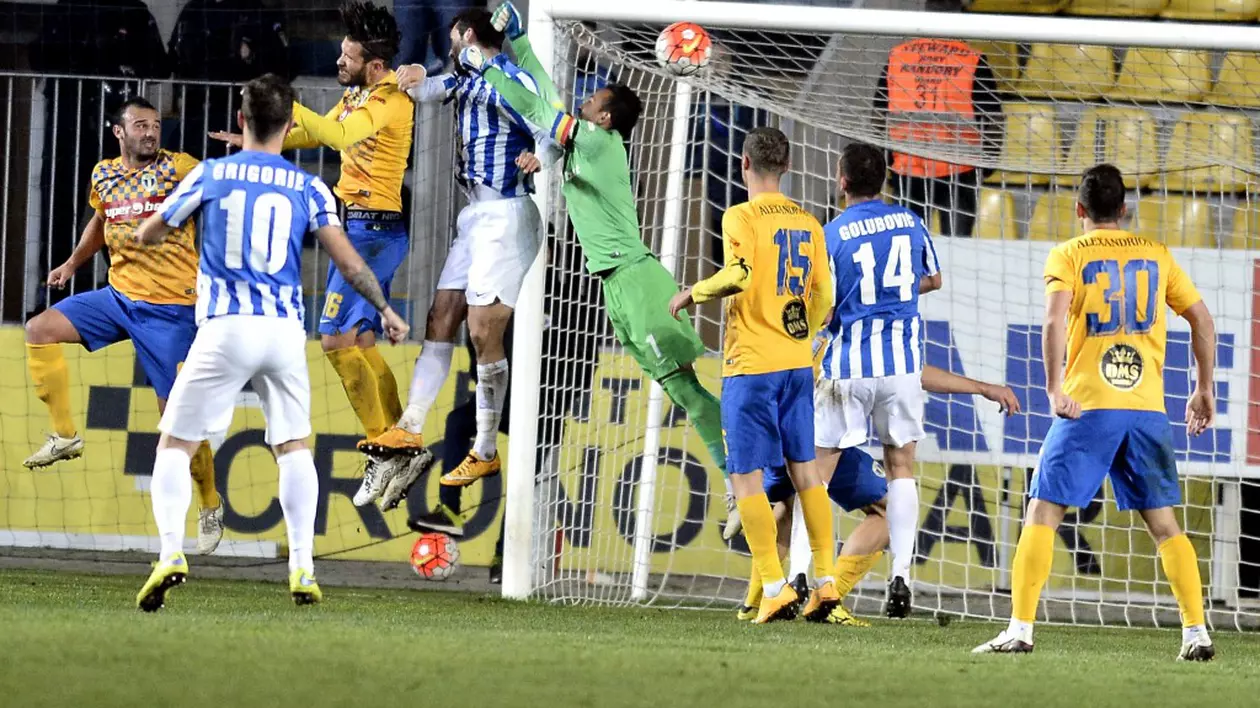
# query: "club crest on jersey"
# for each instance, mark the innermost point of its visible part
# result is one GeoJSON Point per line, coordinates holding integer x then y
{"type": "Point", "coordinates": [148, 181]}
{"type": "Point", "coordinates": [795, 320]}
{"type": "Point", "coordinates": [1122, 366]}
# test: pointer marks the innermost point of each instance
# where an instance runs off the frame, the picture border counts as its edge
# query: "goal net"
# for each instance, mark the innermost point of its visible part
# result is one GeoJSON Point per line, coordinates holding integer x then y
{"type": "Point", "coordinates": [628, 504]}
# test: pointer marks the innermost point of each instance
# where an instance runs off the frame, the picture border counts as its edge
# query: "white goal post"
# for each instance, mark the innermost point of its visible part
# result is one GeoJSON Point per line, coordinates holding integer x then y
{"type": "Point", "coordinates": [589, 516]}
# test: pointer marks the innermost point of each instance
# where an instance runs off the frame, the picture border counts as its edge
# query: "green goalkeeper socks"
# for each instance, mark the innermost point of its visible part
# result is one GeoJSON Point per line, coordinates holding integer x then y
{"type": "Point", "coordinates": [703, 409]}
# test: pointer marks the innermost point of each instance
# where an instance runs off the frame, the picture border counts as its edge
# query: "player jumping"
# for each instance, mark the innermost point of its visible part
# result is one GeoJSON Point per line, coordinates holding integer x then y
{"type": "Point", "coordinates": [601, 204]}
{"type": "Point", "coordinates": [779, 293]}
{"type": "Point", "coordinates": [149, 298]}
{"type": "Point", "coordinates": [256, 207]}
{"type": "Point", "coordinates": [1105, 299]}
{"type": "Point", "coordinates": [883, 259]}
{"type": "Point", "coordinates": [371, 126]}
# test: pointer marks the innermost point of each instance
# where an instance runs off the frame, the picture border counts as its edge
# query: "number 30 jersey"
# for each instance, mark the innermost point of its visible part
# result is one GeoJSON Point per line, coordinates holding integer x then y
{"type": "Point", "coordinates": [879, 252]}
{"type": "Point", "coordinates": [1117, 322]}
{"type": "Point", "coordinates": [254, 210]}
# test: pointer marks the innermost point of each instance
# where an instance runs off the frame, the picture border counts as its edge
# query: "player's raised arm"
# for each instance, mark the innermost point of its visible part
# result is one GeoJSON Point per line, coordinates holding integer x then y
{"type": "Point", "coordinates": [176, 210]}
{"type": "Point", "coordinates": [414, 80]}
{"type": "Point", "coordinates": [507, 20]}
{"type": "Point", "coordinates": [375, 115]}
{"type": "Point", "coordinates": [537, 111]}
{"type": "Point", "coordinates": [941, 381]}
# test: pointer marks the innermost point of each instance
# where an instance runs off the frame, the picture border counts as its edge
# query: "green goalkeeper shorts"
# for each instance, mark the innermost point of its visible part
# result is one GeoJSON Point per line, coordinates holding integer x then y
{"type": "Point", "coordinates": [637, 297]}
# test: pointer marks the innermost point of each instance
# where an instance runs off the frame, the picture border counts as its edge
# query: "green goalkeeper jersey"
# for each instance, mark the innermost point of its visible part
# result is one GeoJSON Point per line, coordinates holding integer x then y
{"type": "Point", "coordinates": [596, 168]}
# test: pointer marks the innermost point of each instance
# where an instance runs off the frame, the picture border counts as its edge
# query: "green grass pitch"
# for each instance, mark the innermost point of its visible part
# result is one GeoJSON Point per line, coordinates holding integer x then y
{"type": "Point", "coordinates": [76, 640]}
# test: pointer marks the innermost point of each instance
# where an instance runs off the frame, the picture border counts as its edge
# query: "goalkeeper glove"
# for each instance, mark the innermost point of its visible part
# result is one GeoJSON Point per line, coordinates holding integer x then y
{"type": "Point", "coordinates": [507, 19]}
{"type": "Point", "coordinates": [472, 59]}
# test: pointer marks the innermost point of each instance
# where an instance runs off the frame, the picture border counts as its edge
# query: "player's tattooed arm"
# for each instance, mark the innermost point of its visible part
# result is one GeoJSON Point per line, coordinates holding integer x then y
{"type": "Point", "coordinates": [356, 272]}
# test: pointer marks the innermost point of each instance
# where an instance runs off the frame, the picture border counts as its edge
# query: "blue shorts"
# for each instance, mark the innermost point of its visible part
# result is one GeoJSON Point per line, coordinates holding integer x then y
{"type": "Point", "coordinates": [768, 419]}
{"type": "Point", "coordinates": [383, 245]}
{"type": "Point", "coordinates": [1134, 447]}
{"type": "Point", "coordinates": [858, 481]}
{"type": "Point", "coordinates": [161, 334]}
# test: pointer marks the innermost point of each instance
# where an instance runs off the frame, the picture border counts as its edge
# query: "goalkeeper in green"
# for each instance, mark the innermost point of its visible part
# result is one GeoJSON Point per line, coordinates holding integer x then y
{"type": "Point", "coordinates": [601, 203]}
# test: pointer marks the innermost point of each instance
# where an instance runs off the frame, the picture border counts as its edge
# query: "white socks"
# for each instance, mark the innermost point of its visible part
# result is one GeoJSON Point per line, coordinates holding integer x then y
{"type": "Point", "coordinates": [492, 381]}
{"type": "Point", "coordinates": [1189, 634]}
{"type": "Point", "coordinates": [903, 523]}
{"type": "Point", "coordinates": [1020, 630]}
{"type": "Point", "coordinates": [432, 367]}
{"type": "Point", "coordinates": [800, 556]}
{"type": "Point", "coordinates": [171, 490]}
{"type": "Point", "coordinates": [299, 496]}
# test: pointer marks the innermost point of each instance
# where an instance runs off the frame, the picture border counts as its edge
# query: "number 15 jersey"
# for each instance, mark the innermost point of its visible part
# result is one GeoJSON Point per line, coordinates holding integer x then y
{"type": "Point", "coordinates": [1117, 322]}
{"type": "Point", "coordinates": [879, 252]}
{"type": "Point", "coordinates": [255, 209]}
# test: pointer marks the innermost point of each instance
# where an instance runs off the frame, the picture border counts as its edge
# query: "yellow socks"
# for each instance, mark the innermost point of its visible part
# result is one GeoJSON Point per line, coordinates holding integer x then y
{"type": "Point", "coordinates": [202, 469]}
{"type": "Point", "coordinates": [1031, 569]}
{"type": "Point", "coordinates": [52, 384]}
{"type": "Point", "coordinates": [851, 569]}
{"type": "Point", "coordinates": [753, 597]}
{"type": "Point", "coordinates": [760, 532]}
{"type": "Point", "coordinates": [1181, 565]}
{"type": "Point", "coordinates": [816, 506]}
{"type": "Point", "coordinates": [386, 385]}
{"type": "Point", "coordinates": [359, 381]}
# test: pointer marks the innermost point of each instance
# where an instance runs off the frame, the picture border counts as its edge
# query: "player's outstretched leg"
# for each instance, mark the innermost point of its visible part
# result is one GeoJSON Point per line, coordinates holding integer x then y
{"type": "Point", "coordinates": [210, 514]}
{"type": "Point", "coordinates": [171, 492]}
{"type": "Point", "coordinates": [1181, 565]}
{"type": "Point", "coordinates": [299, 497]}
{"type": "Point", "coordinates": [51, 376]}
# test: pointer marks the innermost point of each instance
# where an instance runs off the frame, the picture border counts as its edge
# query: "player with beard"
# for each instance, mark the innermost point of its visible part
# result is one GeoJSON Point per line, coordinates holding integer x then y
{"type": "Point", "coordinates": [149, 299]}
{"type": "Point", "coordinates": [371, 127]}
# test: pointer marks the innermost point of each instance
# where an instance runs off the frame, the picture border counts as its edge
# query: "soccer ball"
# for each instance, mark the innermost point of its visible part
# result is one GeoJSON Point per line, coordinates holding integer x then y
{"type": "Point", "coordinates": [684, 48]}
{"type": "Point", "coordinates": [434, 556]}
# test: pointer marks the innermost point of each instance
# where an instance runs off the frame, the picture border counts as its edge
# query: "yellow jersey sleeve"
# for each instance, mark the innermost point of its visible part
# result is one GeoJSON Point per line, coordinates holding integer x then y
{"type": "Point", "coordinates": [1181, 293]}
{"type": "Point", "coordinates": [94, 195]}
{"type": "Point", "coordinates": [1060, 275]}
{"type": "Point", "coordinates": [376, 114]}
{"type": "Point", "coordinates": [737, 259]}
{"type": "Point", "coordinates": [184, 163]}
{"type": "Point", "coordinates": [298, 138]}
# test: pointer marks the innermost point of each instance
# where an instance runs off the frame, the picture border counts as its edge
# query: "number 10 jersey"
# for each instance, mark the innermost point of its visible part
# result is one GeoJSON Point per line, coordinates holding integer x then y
{"type": "Point", "coordinates": [254, 210]}
{"type": "Point", "coordinates": [1117, 322]}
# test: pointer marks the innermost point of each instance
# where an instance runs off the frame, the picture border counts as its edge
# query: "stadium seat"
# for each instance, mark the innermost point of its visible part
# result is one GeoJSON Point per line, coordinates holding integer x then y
{"type": "Point", "coordinates": [1165, 75]}
{"type": "Point", "coordinates": [1031, 138]}
{"type": "Point", "coordinates": [1026, 7]}
{"type": "Point", "coordinates": [1116, 8]}
{"type": "Point", "coordinates": [1246, 231]}
{"type": "Point", "coordinates": [1078, 71]}
{"type": "Point", "coordinates": [1203, 147]}
{"type": "Point", "coordinates": [1054, 217]}
{"type": "Point", "coordinates": [1125, 137]}
{"type": "Point", "coordinates": [1003, 59]}
{"type": "Point", "coordinates": [1239, 81]}
{"type": "Point", "coordinates": [995, 216]}
{"type": "Point", "coordinates": [1216, 10]}
{"type": "Point", "coordinates": [1174, 221]}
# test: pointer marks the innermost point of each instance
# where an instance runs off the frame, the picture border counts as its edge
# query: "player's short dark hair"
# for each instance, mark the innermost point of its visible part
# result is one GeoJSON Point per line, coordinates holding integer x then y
{"type": "Point", "coordinates": [133, 102]}
{"type": "Point", "coordinates": [478, 20]}
{"type": "Point", "coordinates": [373, 28]}
{"type": "Point", "coordinates": [267, 103]}
{"type": "Point", "coordinates": [863, 168]}
{"type": "Point", "coordinates": [768, 150]}
{"type": "Point", "coordinates": [624, 108]}
{"type": "Point", "coordinates": [1102, 193]}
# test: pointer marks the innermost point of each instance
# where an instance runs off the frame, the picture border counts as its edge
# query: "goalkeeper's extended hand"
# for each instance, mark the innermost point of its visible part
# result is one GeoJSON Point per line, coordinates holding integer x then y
{"type": "Point", "coordinates": [472, 59]}
{"type": "Point", "coordinates": [507, 19]}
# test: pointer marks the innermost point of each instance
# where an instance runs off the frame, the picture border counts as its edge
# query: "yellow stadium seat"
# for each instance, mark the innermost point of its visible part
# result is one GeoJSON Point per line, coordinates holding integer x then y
{"type": "Point", "coordinates": [1054, 217]}
{"type": "Point", "coordinates": [1031, 139]}
{"type": "Point", "coordinates": [1239, 81]}
{"type": "Point", "coordinates": [1116, 8]}
{"type": "Point", "coordinates": [1246, 231]}
{"type": "Point", "coordinates": [1068, 71]}
{"type": "Point", "coordinates": [995, 217]}
{"type": "Point", "coordinates": [1165, 75]}
{"type": "Point", "coordinates": [1203, 147]}
{"type": "Point", "coordinates": [1217, 10]}
{"type": "Point", "coordinates": [1003, 59]}
{"type": "Point", "coordinates": [1175, 221]}
{"type": "Point", "coordinates": [1027, 7]}
{"type": "Point", "coordinates": [1125, 137]}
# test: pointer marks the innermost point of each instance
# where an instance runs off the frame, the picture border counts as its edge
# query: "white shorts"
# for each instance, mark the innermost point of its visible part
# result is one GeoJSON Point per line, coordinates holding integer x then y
{"type": "Point", "coordinates": [229, 352]}
{"type": "Point", "coordinates": [496, 242]}
{"type": "Point", "coordinates": [894, 403]}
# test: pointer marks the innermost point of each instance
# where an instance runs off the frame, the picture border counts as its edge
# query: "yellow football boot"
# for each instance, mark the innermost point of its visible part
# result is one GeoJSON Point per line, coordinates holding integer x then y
{"type": "Point", "coordinates": [472, 469]}
{"type": "Point", "coordinates": [746, 613]}
{"type": "Point", "coordinates": [395, 441]}
{"type": "Point", "coordinates": [822, 601]}
{"type": "Point", "coordinates": [845, 618]}
{"type": "Point", "coordinates": [780, 607]}
{"type": "Point", "coordinates": [165, 575]}
{"type": "Point", "coordinates": [303, 588]}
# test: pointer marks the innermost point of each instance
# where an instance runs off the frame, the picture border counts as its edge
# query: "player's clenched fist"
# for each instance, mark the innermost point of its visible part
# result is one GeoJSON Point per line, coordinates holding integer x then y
{"type": "Point", "coordinates": [60, 276]}
{"type": "Point", "coordinates": [410, 76]}
{"type": "Point", "coordinates": [396, 329]}
{"type": "Point", "coordinates": [1064, 407]}
{"type": "Point", "coordinates": [507, 20]}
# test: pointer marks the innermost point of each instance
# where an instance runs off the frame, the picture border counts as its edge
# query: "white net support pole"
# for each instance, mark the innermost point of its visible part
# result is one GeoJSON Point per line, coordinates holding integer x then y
{"type": "Point", "coordinates": [527, 345]}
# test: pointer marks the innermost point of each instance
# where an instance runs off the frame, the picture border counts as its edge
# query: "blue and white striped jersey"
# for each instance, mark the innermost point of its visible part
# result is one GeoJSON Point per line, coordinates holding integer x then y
{"type": "Point", "coordinates": [254, 209]}
{"type": "Point", "coordinates": [879, 252]}
{"type": "Point", "coordinates": [491, 134]}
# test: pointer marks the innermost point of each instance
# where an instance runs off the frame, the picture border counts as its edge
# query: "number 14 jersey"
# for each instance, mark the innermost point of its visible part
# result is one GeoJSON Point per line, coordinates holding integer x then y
{"type": "Point", "coordinates": [254, 210]}
{"type": "Point", "coordinates": [1117, 322]}
{"type": "Point", "coordinates": [878, 252]}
